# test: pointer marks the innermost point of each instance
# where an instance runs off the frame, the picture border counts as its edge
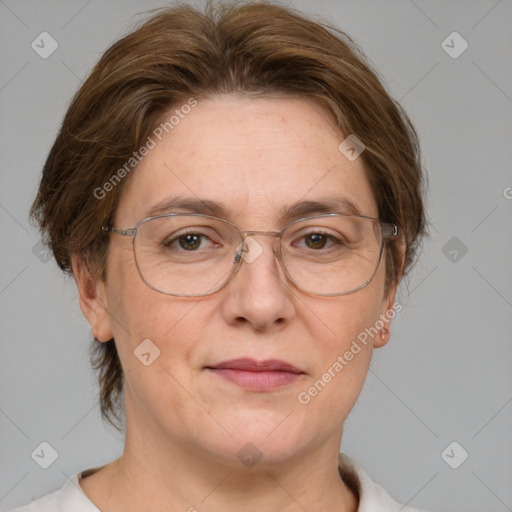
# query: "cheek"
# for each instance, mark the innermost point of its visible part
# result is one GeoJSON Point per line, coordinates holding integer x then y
{"type": "Point", "coordinates": [344, 355]}
{"type": "Point", "coordinates": [139, 313]}
{"type": "Point", "coordinates": [330, 397]}
{"type": "Point", "coordinates": [349, 317]}
{"type": "Point", "coordinates": [155, 338]}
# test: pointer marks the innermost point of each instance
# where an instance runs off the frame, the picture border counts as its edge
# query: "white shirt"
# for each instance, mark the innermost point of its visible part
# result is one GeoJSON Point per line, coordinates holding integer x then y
{"type": "Point", "coordinates": [372, 497]}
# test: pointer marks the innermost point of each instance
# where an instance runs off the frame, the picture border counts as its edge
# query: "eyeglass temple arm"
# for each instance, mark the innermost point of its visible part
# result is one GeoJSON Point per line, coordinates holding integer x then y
{"type": "Point", "coordinates": [123, 232]}
{"type": "Point", "coordinates": [389, 230]}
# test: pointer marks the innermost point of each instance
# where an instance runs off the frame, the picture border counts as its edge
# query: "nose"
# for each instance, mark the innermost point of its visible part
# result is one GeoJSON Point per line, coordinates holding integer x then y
{"type": "Point", "coordinates": [258, 295]}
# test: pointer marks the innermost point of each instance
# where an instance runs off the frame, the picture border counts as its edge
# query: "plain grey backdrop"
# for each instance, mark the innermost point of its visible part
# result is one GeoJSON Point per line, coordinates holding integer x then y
{"type": "Point", "coordinates": [434, 422]}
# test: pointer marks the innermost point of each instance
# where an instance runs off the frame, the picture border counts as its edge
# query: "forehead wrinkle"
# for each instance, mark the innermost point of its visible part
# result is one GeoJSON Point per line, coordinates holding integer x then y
{"type": "Point", "coordinates": [248, 146]}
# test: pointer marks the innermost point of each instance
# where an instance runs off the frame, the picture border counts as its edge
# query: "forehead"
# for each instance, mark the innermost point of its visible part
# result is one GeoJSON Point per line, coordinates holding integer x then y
{"type": "Point", "coordinates": [254, 158]}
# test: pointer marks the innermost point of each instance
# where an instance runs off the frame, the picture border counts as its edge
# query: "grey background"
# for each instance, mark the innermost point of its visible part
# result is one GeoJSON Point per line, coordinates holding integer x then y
{"type": "Point", "coordinates": [446, 374]}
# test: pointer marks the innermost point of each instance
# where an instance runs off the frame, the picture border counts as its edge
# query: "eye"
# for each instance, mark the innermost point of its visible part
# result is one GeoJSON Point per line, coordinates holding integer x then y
{"type": "Point", "coordinates": [316, 240]}
{"type": "Point", "coordinates": [191, 241]}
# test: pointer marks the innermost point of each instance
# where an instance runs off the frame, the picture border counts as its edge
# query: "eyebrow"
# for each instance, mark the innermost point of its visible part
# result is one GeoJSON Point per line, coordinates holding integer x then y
{"type": "Point", "coordinates": [287, 213]}
{"type": "Point", "coordinates": [189, 205]}
{"type": "Point", "coordinates": [341, 205]}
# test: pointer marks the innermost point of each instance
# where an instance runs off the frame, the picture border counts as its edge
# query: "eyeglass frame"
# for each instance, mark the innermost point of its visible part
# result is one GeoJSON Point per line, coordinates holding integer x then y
{"type": "Point", "coordinates": [387, 230]}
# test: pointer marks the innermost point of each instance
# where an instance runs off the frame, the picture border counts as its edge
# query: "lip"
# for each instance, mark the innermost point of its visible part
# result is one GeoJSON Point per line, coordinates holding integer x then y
{"type": "Point", "coordinates": [257, 375]}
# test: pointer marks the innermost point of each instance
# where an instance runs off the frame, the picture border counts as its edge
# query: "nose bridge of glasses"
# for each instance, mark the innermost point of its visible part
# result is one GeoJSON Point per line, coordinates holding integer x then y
{"type": "Point", "coordinates": [250, 234]}
{"type": "Point", "coordinates": [246, 234]}
{"type": "Point", "coordinates": [250, 248]}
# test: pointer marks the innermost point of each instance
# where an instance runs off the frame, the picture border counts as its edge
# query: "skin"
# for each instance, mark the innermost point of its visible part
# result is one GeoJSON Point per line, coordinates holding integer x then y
{"type": "Point", "coordinates": [185, 425]}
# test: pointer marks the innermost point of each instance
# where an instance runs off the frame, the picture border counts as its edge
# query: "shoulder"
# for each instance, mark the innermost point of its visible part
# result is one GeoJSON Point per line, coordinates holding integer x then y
{"type": "Point", "coordinates": [69, 498]}
{"type": "Point", "coordinates": [372, 496]}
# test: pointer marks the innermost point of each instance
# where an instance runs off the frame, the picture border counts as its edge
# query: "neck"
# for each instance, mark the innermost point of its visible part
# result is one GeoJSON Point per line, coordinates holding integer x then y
{"type": "Point", "coordinates": [172, 476]}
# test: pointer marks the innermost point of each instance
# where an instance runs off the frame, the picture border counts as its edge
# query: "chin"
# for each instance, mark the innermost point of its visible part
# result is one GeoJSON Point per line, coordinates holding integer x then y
{"type": "Point", "coordinates": [263, 454]}
{"type": "Point", "coordinates": [259, 437]}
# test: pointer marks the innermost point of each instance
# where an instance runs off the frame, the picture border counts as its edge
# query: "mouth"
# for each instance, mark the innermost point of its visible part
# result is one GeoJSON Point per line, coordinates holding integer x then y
{"type": "Point", "coordinates": [257, 375]}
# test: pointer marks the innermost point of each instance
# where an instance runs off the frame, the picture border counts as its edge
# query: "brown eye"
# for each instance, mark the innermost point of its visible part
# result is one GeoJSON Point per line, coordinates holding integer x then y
{"type": "Point", "coordinates": [316, 240]}
{"type": "Point", "coordinates": [190, 241]}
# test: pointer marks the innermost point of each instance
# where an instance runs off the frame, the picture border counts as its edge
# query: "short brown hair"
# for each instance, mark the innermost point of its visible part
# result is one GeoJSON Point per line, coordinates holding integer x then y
{"type": "Point", "coordinates": [251, 48]}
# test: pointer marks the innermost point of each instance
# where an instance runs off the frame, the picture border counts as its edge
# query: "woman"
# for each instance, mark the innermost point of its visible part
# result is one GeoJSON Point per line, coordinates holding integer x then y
{"type": "Point", "coordinates": [237, 198]}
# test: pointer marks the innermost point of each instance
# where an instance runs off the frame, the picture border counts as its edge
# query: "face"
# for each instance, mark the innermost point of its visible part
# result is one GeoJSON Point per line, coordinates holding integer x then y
{"type": "Point", "coordinates": [255, 157]}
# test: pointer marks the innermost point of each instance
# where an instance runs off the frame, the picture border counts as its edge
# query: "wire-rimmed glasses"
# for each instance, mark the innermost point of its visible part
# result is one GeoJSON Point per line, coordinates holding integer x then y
{"type": "Point", "coordinates": [191, 254]}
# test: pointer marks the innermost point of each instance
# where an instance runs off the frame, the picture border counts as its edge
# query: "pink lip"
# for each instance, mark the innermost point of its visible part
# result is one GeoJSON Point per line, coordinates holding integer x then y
{"type": "Point", "coordinates": [257, 375]}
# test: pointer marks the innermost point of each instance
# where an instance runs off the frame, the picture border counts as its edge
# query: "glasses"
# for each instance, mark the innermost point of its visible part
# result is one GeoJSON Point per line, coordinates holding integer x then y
{"type": "Point", "coordinates": [191, 255]}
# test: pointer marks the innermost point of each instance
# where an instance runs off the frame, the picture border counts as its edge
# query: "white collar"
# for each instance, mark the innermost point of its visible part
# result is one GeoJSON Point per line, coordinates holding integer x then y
{"type": "Point", "coordinates": [372, 497]}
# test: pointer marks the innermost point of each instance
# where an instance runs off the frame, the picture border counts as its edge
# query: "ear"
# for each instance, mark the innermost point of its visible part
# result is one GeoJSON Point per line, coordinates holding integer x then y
{"type": "Point", "coordinates": [389, 307]}
{"type": "Point", "coordinates": [93, 300]}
